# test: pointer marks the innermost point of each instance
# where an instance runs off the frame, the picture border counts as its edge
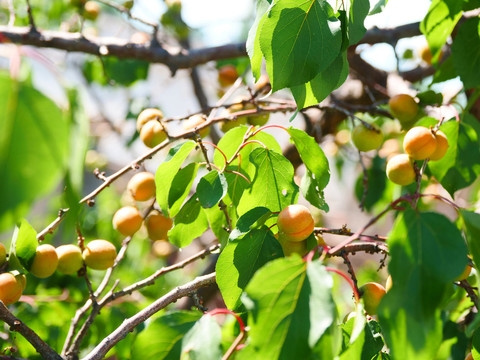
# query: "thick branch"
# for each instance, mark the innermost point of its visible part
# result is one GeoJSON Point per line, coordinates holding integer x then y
{"type": "Point", "coordinates": [129, 324]}
{"type": "Point", "coordinates": [16, 325]}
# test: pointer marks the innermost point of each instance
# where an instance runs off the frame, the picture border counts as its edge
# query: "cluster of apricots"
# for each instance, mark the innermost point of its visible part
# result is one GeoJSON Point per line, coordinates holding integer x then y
{"type": "Point", "coordinates": [67, 259]}
{"type": "Point", "coordinates": [419, 143]}
{"type": "Point", "coordinates": [128, 219]}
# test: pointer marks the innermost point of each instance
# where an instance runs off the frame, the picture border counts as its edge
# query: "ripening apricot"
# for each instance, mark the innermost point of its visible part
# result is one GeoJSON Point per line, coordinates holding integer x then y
{"type": "Point", "coordinates": [372, 293]}
{"type": "Point", "coordinates": [152, 134]}
{"type": "Point", "coordinates": [142, 186]}
{"type": "Point", "coordinates": [45, 261]}
{"type": "Point", "coordinates": [148, 115]}
{"type": "Point", "coordinates": [99, 254]}
{"type": "Point", "coordinates": [293, 247]}
{"type": "Point", "coordinates": [11, 288]}
{"type": "Point", "coordinates": [469, 356]}
{"type": "Point", "coordinates": [162, 248]}
{"type": "Point", "coordinates": [91, 10]}
{"type": "Point", "coordinates": [3, 254]}
{"type": "Point", "coordinates": [193, 121]}
{"type": "Point", "coordinates": [227, 75]}
{"type": "Point", "coordinates": [400, 170]}
{"type": "Point", "coordinates": [419, 143]}
{"type": "Point", "coordinates": [70, 259]}
{"type": "Point", "coordinates": [158, 225]}
{"type": "Point", "coordinates": [295, 223]}
{"type": "Point", "coordinates": [404, 108]}
{"type": "Point", "coordinates": [442, 146]}
{"type": "Point", "coordinates": [127, 220]}
{"type": "Point", "coordinates": [464, 274]}
{"type": "Point", "coordinates": [366, 139]}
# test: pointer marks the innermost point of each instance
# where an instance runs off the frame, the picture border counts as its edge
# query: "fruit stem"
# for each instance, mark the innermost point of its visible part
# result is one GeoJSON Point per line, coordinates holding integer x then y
{"type": "Point", "coordinates": [269, 126]}
{"type": "Point", "coordinates": [226, 311]}
{"type": "Point", "coordinates": [355, 291]}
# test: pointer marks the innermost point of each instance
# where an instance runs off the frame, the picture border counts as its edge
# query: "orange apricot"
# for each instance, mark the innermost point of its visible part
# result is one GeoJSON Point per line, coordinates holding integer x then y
{"type": "Point", "coordinates": [464, 274]}
{"type": "Point", "coordinates": [372, 293]}
{"type": "Point", "coordinates": [127, 220]}
{"type": "Point", "coordinates": [3, 254]}
{"type": "Point", "coordinates": [419, 143]}
{"type": "Point", "coordinates": [148, 115]}
{"type": "Point", "coordinates": [152, 134]}
{"type": "Point", "coordinates": [400, 170]}
{"type": "Point", "coordinates": [295, 223]}
{"type": "Point", "coordinates": [70, 259]}
{"type": "Point", "coordinates": [158, 225]}
{"type": "Point", "coordinates": [227, 75]}
{"type": "Point", "coordinates": [442, 146]}
{"type": "Point", "coordinates": [11, 288]}
{"type": "Point", "coordinates": [99, 254]}
{"type": "Point", "coordinates": [193, 121]}
{"type": "Point", "coordinates": [142, 186]}
{"type": "Point", "coordinates": [404, 108]}
{"type": "Point", "coordinates": [45, 261]}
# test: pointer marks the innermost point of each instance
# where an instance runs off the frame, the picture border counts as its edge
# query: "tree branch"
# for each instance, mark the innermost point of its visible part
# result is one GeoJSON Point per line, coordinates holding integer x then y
{"type": "Point", "coordinates": [129, 324]}
{"type": "Point", "coordinates": [15, 324]}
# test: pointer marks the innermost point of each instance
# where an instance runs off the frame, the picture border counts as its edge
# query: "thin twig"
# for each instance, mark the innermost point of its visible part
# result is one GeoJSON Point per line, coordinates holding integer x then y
{"type": "Point", "coordinates": [53, 225]}
{"type": "Point", "coordinates": [31, 336]}
{"type": "Point", "coordinates": [128, 325]}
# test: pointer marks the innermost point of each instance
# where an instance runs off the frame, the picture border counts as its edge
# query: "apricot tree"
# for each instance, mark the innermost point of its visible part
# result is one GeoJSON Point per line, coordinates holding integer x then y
{"type": "Point", "coordinates": [277, 181]}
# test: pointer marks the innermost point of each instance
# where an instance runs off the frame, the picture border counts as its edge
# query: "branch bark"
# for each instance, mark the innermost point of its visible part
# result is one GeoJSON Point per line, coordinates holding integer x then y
{"type": "Point", "coordinates": [129, 324]}
{"type": "Point", "coordinates": [15, 324]}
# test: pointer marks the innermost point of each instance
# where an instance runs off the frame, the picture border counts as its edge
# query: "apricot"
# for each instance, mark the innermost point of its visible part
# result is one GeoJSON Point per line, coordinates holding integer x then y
{"type": "Point", "coordinates": [127, 220]}
{"type": "Point", "coordinates": [45, 261]}
{"type": "Point", "coordinates": [293, 247]}
{"type": "Point", "coordinates": [11, 288]}
{"type": "Point", "coordinates": [426, 54]}
{"type": "Point", "coordinates": [193, 121]}
{"type": "Point", "coordinates": [227, 75]}
{"type": "Point", "coordinates": [400, 170]}
{"type": "Point", "coordinates": [419, 143]}
{"type": "Point", "coordinates": [366, 139]}
{"type": "Point", "coordinates": [162, 248]}
{"type": "Point", "coordinates": [295, 223]}
{"type": "Point", "coordinates": [142, 186]}
{"type": "Point", "coordinates": [442, 146]}
{"type": "Point", "coordinates": [258, 120]}
{"type": "Point", "coordinates": [158, 225]}
{"type": "Point", "coordinates": [91, 10]}
{"type": "Point", "coordinates": [464, 274]}
{"type": "Point", "coordinates": [70, 259]}
{"type": "Point", "coordinates": [148, 115]}
{"type": "Point", "coordinates": [99, 254]}
{"type": "Point", "coordinates": [3, 254]}
{"type": "Point", "coordinates": [404, 108]}
{"type": "Point", "coordinates": [152, 134]}
{"type": "Point", "coordinates": [372, 293]}
{"type": "Point", "coordinates": [469, 356]}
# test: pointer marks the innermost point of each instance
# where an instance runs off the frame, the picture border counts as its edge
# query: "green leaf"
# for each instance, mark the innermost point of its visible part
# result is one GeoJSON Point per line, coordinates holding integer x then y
{"type": "Point", "coordinates": [356, 16]}
{"type": "Point", "coordinates": [366, 346]}
{"type": "Point", "coordinates": [476, 344]}
{"type": "Point", "coordinates": [33, 148]}
{"type": "Point", "coordinates": [290, 308]}
{"type": "Point", "coordinates": [167, 171]}
{"type": "Point", "coordinates": [459, 167]}
{"type": "Point", "coordinates": [241, 258]}
{"type": "Point", "coordinates": [471, 5]}
{"type": "Point", "coordinates": [466, 52]}
{"type": "Point", "coordinates": [299, 40]}
{"type": "Point", "coordinates": [203, 341]}
{"type": "Point", "coordinates": [25, 244]}
{"type": "Point", "coordinates": [471, 222]}
{"type": "Point", "coordinates": [114, 71]}
{"type": "Point", "coordinates": [318, 171]}
{"type": "Point", "coordinates": [427, 253]}
{"type": "Point", "coordinates": [180, 187]}
{"type": "Point", "coordinates": [211, 189]}
{"type": "Point", "coordinates": [253, 41]}
{"type": "Point", "coordinates": [438, 24]}
{"type": "Point", "coordinates": [378, 8]}
{"type": "Point", "coordinates": [316, 90]}
{"type": "Point", "coordinates": [252, 218]}
{"type": "Point", "coordinates": [273, 186]}
{"type": "Point", "coordinates": [162, 339]}
{"type": "Point", "coordinates": [430, 97]}
{"type": "Point", "coordinates": [190, 222]}
{"type": "Point", "coordinates": [446, 71]}
{"type": "Point", "coordinates": [218, 222]}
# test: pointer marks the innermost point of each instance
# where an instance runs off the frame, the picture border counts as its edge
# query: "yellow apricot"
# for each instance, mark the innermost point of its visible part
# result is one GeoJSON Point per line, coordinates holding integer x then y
{"type": "Point", "coordinates": [127, 220]}
{"type": "Point", "coordinates": [142, 186]}
{"type": "Point", "coordinates": [193, 121]}
{"type": "Point", "coordinates": [99, 254]}
{"type": "Point", "coordinates": [152, 134]}
{"type": "Point", "coordinates": [157, 226]}
{"type": "Point", "coordinates": [371, 294]}
{"type": "Point", "coordinates": [162, 248]}
{"type": "Point", "coordinates": [227, 75]}
{"type": "Point", "coordinates": [419, 143]}
{"type": "Point", "coordinates": [404, 108]}
{"type": "Point", "coordinates": [400, 170]}
{"type": "Point", "coordinates": [45, 261]}
{"type": "Point", "coordinates": [70, 259]}
{"type": "Point", "coordinates": [147, 115]}
{"type": "Point", "coordinates": [91, 10]}
{"type": "Point", "coordinates": [3, 254]}
{"type": "Point", "coordinates": [366, 139]}
{"type": "Point", "coordinates": [442, 146]}
{"type": "Point", "coordinates": [295, 223]}
{"type": "Point", "coordinates": [11, 288]}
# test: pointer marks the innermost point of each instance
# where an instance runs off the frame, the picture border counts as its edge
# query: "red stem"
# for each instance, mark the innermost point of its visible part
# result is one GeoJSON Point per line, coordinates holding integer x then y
{"type": "Point", "coordinates": [355, 292]}
{"type": "Point", "coordinates": [226, 311]}
{"type": "Point", "coordinates": [269, 126]}
{"type": "Point", "coordinates": [216, 147]}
